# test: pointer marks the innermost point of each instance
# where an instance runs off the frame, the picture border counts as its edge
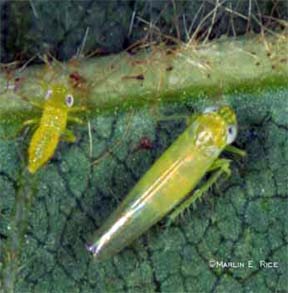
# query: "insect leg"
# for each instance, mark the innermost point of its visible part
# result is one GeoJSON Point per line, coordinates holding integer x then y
{"type": "Point", "coordinates": [68, 136]}
{"type": "Point", "coordinates": [221, 164]}
{"type": "Point", "coordinates": [220, 167]}
{"type": "Point", "coordinates": [31, 122]}
{"type": "Point", "coordinates": [33, 103]}
{"type": "Point", "coordinates": [36, 104]}
{"type": "Point", "coordinates": [19, 129]}
{"type": "Point", "coordinates": [234, 150]}
{"type": "Point", "coordinates": [78, 109]}
{"type": "Point", "coordinates": [75, 120]}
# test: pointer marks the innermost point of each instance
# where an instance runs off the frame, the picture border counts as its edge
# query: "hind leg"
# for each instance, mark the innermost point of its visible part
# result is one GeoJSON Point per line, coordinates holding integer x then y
{"type": "Point", "coordinates": [219, 168]}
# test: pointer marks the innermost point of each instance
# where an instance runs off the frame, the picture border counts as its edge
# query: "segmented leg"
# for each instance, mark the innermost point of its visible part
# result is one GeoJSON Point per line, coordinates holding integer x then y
{"type": "Point", "coordinates": [78, 109]}
{"type": "Point", "coordinates": [219, 167]}
{"type": "Point", "coordinates": [75, 120]}
{"type": "Point", "coordinates": [31, 122]}
{"type": "Point", "coordinates": [68, 136]}
{"type": "Point", "coordinates": [35, 104]}
{"type": "Point", "coordinates": [233, 150]}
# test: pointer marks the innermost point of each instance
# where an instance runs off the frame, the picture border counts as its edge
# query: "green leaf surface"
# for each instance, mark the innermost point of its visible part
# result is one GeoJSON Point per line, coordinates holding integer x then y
{"type": "Point", "coordinates": [47, 219]}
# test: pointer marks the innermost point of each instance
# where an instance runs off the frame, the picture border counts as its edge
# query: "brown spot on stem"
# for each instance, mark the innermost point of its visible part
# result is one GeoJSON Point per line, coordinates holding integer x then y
{"type": "Point", "coordinates": [17, 83]}
{"type": "Point", "coordinates": [139, 62]}
{"type": "Point", "coordinates": [77, 80]}
{"type": "Point", "coordinates": [138, 77]}
{"type": "Point", "coordinates": [169, 52]}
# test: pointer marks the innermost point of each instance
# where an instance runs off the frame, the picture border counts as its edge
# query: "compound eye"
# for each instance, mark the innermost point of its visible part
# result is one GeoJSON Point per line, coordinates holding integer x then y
{"type": "Point", "coordinates": [211, 109]}
{"type": "Point", "coordinates": [231, 133]}
{"type": "Point", "coordinates": [69, 100]}
{"type": "Point", "coordinates": [48, 94]}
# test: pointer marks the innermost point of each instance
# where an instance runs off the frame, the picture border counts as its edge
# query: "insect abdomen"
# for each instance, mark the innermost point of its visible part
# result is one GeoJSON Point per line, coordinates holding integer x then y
{"type": "Point", "coordinates": [166, 184]}
{"type": "Point", "coordinates": [46, 137]}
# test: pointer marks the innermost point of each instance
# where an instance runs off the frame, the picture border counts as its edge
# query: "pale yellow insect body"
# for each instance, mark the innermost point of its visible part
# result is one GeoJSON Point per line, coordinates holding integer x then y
{"type": "Point", "coordinates": [52, 126]}
{"type": "Point", "coordinates": [167, 183]}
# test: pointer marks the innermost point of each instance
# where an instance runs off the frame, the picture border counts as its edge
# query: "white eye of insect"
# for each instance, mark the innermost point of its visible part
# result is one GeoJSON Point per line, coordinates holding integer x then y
{"type": "Point", "coordinates": [210, 109]}
{"type": "Point", "coordinates": [69, 100]}
{"type": "Point", "coordinates": [48, 94]}
{"type": "Point", "coordinates": [231, 133]}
